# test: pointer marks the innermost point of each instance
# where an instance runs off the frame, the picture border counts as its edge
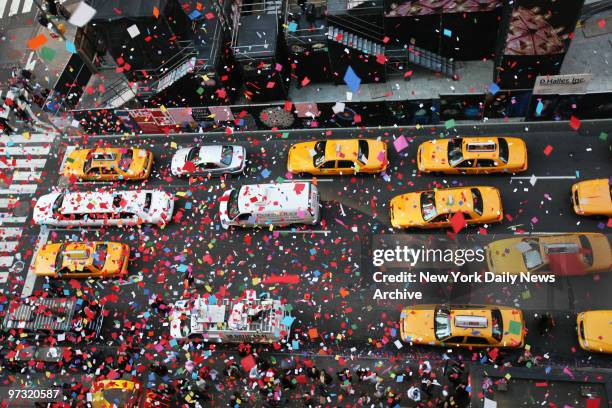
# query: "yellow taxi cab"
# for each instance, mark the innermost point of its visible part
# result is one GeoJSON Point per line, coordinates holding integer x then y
{"type": "Point", "coordinates": [595, 330]}
{"type": "Point", "coordinates": [435, 208]}
{"type": "Point", "coordinates": [343, 156]}
{"type": "Point", "coordinates": [463, 325]}
{"type": "Point", "coordinates": [592, 197]}
{"type": "Point", "coordinates": [109, 164]}
{"type": "Point", "coordinates": [122, 393]}
{"type": "Point", "coordinates": [473, 155]}
{"type": "Point", "coordinates": [564, 254]}
{"type": "Point", "coordinates": [82, 259]}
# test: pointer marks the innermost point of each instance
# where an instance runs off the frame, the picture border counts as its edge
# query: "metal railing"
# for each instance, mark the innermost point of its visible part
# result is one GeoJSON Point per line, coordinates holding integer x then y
{"type": "Point", "coordinates": [357, 26]}
{"type": "Point", "coordinates": [302, 35]}
{"type": "Point", "coordinates": [260, 8]}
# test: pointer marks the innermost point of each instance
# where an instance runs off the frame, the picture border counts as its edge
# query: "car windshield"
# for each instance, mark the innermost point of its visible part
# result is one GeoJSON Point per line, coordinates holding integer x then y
{"type": "Point", "coordinates": [319, 157]}
{"type": "Point", "coordinates": [497, 328]}
{"type": "Point", "coordinates": [192, 154]}
{"type": "Point", "coordinates": [227, 153]}
{"type": "Point", "coordinates": [477, 201]}
{"type": "Point", "coordinates": [455, 152]}
{"type": "Point", "coordinates": [531, 254]}
{"type": "Point", "coordinates": [428, 205]}
{"type": "Point", "coordinates": [126, 160]}
{"type": "Point", "coordinates": [59, 260]}
{"type": "Point", "coordinates": [232, 205]}
{"type": "Point", "coordinates": [57, 205]}
{"type": "Point", "coordinates": [504, 151]}
{"type": "Point", "coordinates": [364, 150]}
{"type": "Point", "coordinates": [442, 323]}
{"type": "Point", "coordinates": [99, 256]}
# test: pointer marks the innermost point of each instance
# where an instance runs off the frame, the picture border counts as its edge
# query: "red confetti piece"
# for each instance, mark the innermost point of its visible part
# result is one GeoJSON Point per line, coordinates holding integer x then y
{"type": "Point", "coordinates": [548, 150]}
{"type": "Point", "coordinates": [287, 279]}
{"type": "Point", "coordinates": [574, 123]}
{"type": "Point", "coordinates": [458, 222]}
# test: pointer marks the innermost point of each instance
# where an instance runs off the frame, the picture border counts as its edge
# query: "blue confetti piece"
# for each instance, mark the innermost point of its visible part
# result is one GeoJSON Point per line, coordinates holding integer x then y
{"type": "Point", "coordinates": [173, 343]}
{"type": "Point", "coordinates": [295, 345]}
{"type": "Point", "coordinates": [601, 225]}
{"type": "Point", "coordinates": [292, 27]}
{"type": "Point", "coordinates": [539, 108]}
{"type": "Point", "coordinates": [447, 32]}
{"type": "Point", "coordinates": [188, 206]}
{"type": "Point", "coordinates": [399, 378]}
{"type": "Point", "coordinates": [212, 300]}
{"type": "Point", "coordinates": [493, 89]}
{"type": "Point", "coordinates": [548, 369]}
{"type": "Point", "coordinates": [312, 251]}
{"type": "Point", "coordinates": [288, 321]}
{"type": "Point", "coordinates": [265, 173]}
{"type": "Point", "coordinates": [195, 14]}
{"type": "Point", "coordinates": [352, 80]}
{"type": "Point", "coordinates": [182, 268]}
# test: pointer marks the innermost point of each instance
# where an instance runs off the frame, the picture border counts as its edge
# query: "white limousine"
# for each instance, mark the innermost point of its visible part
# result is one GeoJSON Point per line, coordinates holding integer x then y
{"type": "Point", "coordinates": [92, 209]}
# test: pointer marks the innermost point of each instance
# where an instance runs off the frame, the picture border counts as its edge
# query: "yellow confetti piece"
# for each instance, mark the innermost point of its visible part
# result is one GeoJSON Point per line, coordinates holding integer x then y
{"type": "Point", "coordinates": [181, 193]}
{"type": "Point", "coordinates": [208, 288]}
{"type": "Point", "coordinates": [508, 376]}
{"type": "Point", "coordinates": [26, 135]}
{"type": "Point", "coordinates": [527, 347]}
{"type": "Point", "coordinates": [210, 246]}
{"type": "Point", "coordinates": [173, 145]}
{"type": "Point", "coordinates": [256, 281]}
{"type": "Point", "coordinates": [163, 108]}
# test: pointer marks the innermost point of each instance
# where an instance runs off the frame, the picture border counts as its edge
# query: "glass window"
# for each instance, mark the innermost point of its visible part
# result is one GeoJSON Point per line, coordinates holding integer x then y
{"type": "Point", "coordinates": [504, 151]}
{"type": "Point", "coordinates": [364, 150]}
{"type": "Point", "coordinates": [456, 339]}
{"type": "Point", "coordinates": [345, 164]}
{"type": "Point", "coordinates": [227, 153]}
{"type": "Point", "coordinates": [99, 256]}
{"type": "Point", "coordinates": [587, 250]}
{"type": "Point", "coordinates": [476, 340]}
{"type": "Point", "coordinates": [477, 201]}
{"type": "Point", "coordinates": [532, 257]}
{"type": "Point", "coordinates": [126, 160]}
{"type": "Point", "coordinates": [455, 152]}
{"type": "Point", "coordinates": [328, 165]}
{"type": "Point", "coordinates": [442, 323]}
{"type": "Point", "coordinates": [466, 164]}
{"type": "Point", "coordinates": [193, 154]}
{"type": "Point", "coordinates": [244, 217]}
{"type": "Point", "coordinates": [497, 324]}
{"type": "Point", "coordinates": [57, 205]}
{"type": "Point", "coordinates": [319, 156]}
{"type": "Point", "coordinates": [485, 163]}
{"type": "Point", "coordinates": [232, 205]}
{"type": "Point", "coordinates": [59, 260]}
{"type": "Point", "coordinates": [428, 205]}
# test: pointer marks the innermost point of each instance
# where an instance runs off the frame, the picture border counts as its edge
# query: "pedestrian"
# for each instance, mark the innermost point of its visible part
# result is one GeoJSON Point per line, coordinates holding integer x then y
{"type": "Point", "coordinates": [414, 394]}
{"type": "Point", "coordinates": [4, 122]}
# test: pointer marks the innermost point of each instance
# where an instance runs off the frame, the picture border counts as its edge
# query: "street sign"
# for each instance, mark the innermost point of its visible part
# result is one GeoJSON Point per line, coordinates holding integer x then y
{"type": "Point", "coordinates": [561, 84]}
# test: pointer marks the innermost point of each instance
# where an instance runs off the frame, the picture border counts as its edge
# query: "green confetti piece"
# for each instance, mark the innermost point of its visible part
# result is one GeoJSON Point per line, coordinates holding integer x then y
{"type": "Point", "coordinates": [285, 135]}
{"type": "Point", "coordinates": [449, 124]}
{"type": "Point", "coordinates": [603, 136]}
{"type": "Point", "coordinates": [515, 327]}
{"type": "Point", "coordinates": [279, 179]}
{"type": "Point", "coordinates": [47, 53]}
{"type": "Point", "coordinates": [200, 90]}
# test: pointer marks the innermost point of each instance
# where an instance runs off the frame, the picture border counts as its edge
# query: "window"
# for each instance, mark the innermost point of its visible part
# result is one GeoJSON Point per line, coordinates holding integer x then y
{"type": "Point", "coordinates": [192, 154]}
{"type": "Point", "coordinates": [456, 339]}
{"type": "Point", "coordinates": [107, 170]}
{"type": "Point", "coordinates": [345, 164]}
{"type": "Point", "coordinates": [442, 323]}
{"type": "Point", "coordinates": [117, 201]}
{"type": "Point", "coordinates": [481, 147]}
{"type": "Point", "coordinates": [441, 218]}
{"type": "Point", "coordinates": [455, 152]}
{"type": "Point", "coordinates": [328, 165]}
{"type": "Point", "coordinates": [364, 150]}
{"type": "Point", "coordinates": [232, 204]}
{"type": "Point", "coordinates": [210, 166]}
{"type": "Point", "coordinates": [428, 205]}
{"type": "Point", "coordinates": [478, 205]}
{"type": "Point", "coordinates": [466, 164]}
{"type": "Point", "coordinates": [59, 260]}
{"type": "Point", "coordinates": [126, 160]}
{"type": "Point", "coordinates": [476, 340]}
{"type": "Point", "coordinates": [504, 151]}
{"type": "Point", "coordinates": [497, 324]}
{"type": "Point", "coordinates": [587, 250]}
{"type": "Point", "coordinates": [227, 153]}
{"type": "Point", "coordinates": [99, 256]}
{"type": "Point", "coordinates": [485, 163]}
{"type": "Point", "coordinates": [319, 156]}
{"type": "Point", "coordinates": [244, 217]}
{"type": "Point", "coordinates": [57, 205]}
{"type": "Point", "coordinates": [147, 203]}
{"type": "Point", "coordinates": [531, 254]}
{"type": "Point", "coordinates": [87, 164]}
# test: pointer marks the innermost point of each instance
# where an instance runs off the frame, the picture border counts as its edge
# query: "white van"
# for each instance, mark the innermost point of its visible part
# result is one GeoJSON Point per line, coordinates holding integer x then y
{"type": "Point", "coordinates": [93, 209]}
{"type": "Point", "coordinates": [270, 204]}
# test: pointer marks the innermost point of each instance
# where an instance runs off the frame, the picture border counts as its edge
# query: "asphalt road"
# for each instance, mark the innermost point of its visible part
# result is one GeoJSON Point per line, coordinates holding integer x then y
{"type": "Point", "coordinates": [332, 260]}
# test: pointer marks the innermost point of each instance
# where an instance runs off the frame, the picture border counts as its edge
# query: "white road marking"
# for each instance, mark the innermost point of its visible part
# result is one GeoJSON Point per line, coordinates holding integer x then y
{"type": "Point", "coordinates": [32, 138]}
{"type": "Point", "coordinates": [14, 7]}
{"type": "Point", "coordinates": [10, 232]}
{"type": "Point", "coordinates": [311, 180]}
{"type": "Point", "coordinates": [7, 202]}
{"type": "Point", "coordinates": [27, 175]}
{"type": "Point", "coordinates": [8, 246]}
{"type": "Point", "coordinates": [30, 280]}
{"type": "Point", "coordinates": [19, 189]}
{"type": "Point", "coordinates": [6, 219]}
{"type": "Point", "coordinates": [544, 178]}
{"type": "Point", "coordinates": [305, 232]}
{"type": "Point", "coordinates": [27, 6]}
{"type": "Point", "coordinates": [25, 151]}
{"type": "Point", "coordinates": [23, 164]}
{"type": "Point", "coordinates": [6, 261]}
{"type": "Point", "coordinates": [2, 7]}
{"type": "Point", "coordinates": [4, 277]}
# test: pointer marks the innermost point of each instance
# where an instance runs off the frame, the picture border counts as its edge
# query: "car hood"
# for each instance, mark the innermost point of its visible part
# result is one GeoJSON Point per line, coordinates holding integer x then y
{"type": "Point", "coordinates": [504, 256]}
{"type": "Point", "coordinates": [594, 195]}
{"type": "Point", "coordinates": [418, 325]}
{"type": "Point", "coordinates": [179, 159]}
{"type": "Point", "coordinates": [44, 206]}
{"type": "Point", "coordinates": [300, 157]}
{"type": "Point", "coordinates": [406, 210]}
{"type": "Point", "coordinates": [598, 330]}
{"type": "Point", "coordinates": [434, 153]}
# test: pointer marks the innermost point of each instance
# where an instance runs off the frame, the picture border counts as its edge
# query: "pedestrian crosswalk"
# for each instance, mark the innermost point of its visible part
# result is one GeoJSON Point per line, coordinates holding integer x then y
{"type": "Point", "coordinates": [22, 160]}
{"type": "Point", "coordinates": [9, 8]}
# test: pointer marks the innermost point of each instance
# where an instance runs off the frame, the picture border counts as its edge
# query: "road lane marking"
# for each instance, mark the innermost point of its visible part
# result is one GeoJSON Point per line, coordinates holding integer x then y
{"type": "Point", "coordinates": [10, 232]}
{"type": "Point", "coordinates": [27, 6]}
{"type": "Point", "coordinates": [25, 151]}
{"type": "Point", "coordinates": [69, 149]}
{"type": "Point", "coordinates": [9, 246]}
{"type": "Point", "coordinates": [19, 189]}
{"type": "Point", "coordinates": [311, 180]}
{"type": "Point", "coordinates": [27, 175]}
{"type": "Point", "coordinates": [7, 202]}
{"type": "Point", "coordinates": [32, 138]}
{"type": "Point", "coordinates": [305, 232]}
{"type": "Point", "coordinates": [6, 261]}
{"type": "Point", "coordinates": [2, 7]}
{"type": "Point", "coordinates": [6, 219]}
{"type": "Point", "coordinates": [14, 7]}
{"type": "Point", "coordinates": [30, 281]}
{"type": "Point", "coordinates": [544, 177]}
{"type": "Point", "coordinates": [23, 164]}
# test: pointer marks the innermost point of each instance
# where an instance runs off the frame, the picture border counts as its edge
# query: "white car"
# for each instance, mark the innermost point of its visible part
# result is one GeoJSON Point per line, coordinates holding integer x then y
{"type": "Point", "coordinates": [92, 209]}
{"type": "Point", "coordinates": [213, 160]}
